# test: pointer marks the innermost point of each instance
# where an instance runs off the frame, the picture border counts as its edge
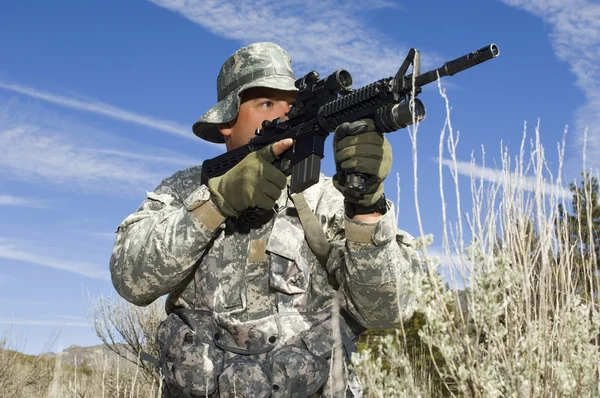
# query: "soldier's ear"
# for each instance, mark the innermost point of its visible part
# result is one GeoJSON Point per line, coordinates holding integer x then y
{"type": "Point", "coordinates": [225, 128]}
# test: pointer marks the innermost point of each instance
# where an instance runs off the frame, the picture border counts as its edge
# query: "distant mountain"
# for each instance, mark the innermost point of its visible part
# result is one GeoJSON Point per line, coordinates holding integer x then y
{"type": "Point", "coordinates": [97, 357]}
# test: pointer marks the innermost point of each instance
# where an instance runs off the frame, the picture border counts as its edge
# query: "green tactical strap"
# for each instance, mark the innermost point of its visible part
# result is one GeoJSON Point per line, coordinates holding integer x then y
{"type": "Point", "coordinates": [315, 237]}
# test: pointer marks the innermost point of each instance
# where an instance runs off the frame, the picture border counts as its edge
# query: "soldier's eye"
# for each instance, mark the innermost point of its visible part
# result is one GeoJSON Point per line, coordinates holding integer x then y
{"type": "Point", "coordinates": [266, 104]}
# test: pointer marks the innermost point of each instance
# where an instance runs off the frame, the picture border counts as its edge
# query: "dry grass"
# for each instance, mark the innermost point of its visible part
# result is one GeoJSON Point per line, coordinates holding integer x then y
{"type": "Point", "coordinates": [534, 319]}
{"type": "Point", "coordinates": [529, 331]}
{"type": "Point", "coordinates": [32, 377]}
{"type": "Point", "coordinates": [124, 328]}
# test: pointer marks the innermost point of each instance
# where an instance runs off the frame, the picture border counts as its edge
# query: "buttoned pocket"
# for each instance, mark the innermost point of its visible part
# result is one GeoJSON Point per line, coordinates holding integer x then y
{"type": "Point", "coordinates": [250, 337]}
{"type": "Point", "coordinates": [289, 266]}
{"type": "Point", "coordinates": [244, 377]}
{"type": "Point", "coordinates": [189, 361]}
{"type": "Point", "coordinates": [297, 373]}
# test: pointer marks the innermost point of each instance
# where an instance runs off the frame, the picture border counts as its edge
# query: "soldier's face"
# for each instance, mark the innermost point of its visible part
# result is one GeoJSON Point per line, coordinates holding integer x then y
{"type": "Point", "coordinates": [258, 104]}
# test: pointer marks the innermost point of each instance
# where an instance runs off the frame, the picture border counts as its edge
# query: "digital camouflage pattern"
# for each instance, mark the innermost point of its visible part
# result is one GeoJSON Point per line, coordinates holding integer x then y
{"type": "Point", "coordinates": [256, 65]}
{"type": "Point", "coordinates": [258, 296]}
{"type": "Point", "coordinates": [250, 306]}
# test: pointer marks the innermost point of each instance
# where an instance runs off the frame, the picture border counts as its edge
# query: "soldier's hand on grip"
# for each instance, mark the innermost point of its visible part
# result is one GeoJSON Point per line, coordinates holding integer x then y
{"type": "Point", "coordinates": [253, 182]}
{"type": "Point", "coordinates": [359, 148]}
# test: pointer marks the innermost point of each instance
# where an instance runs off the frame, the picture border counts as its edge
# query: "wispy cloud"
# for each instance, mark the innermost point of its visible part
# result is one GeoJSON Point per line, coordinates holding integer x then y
{"type": "Point", "coordinates": [40, 145]}
{"type": "Point", "coordinates": [19, 201]}
{"type": "Point", "coordinates": [9, 302]}
{"type": "Point", "coordinates": [575, 36]}
{"type": "Point", "coordinates": [181, 161]}
{"type": "Point", "coordinates": [102, 235]}
{"type": "Point", "coordinates": [454, 268]}
{"type": "Point", "coordinates": [70, 317]}
{"type": "Point", "coordinates": [13, 251]}
{"type": "Point", "coordinates": [324, 35]}
{"type": "Point", "coordinates": [105, 110]}
{"type": "Point", "coordinates": [37, 322]}
{"type": "Point", "coordinates": [33, 153]}
{"type": "Point", "coordinates": [508, 179]}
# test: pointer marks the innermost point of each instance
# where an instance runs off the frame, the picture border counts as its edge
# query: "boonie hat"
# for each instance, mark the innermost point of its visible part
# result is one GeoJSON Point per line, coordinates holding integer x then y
{"type": "Point", "coordinates": [256, 65]}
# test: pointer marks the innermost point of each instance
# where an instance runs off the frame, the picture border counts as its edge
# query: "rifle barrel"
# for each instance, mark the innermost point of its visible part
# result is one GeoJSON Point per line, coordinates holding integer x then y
{"type": "Point", "coordinates": [456, 65]}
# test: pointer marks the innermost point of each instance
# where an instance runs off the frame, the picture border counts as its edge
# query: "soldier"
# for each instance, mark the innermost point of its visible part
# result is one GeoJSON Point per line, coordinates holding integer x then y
{"type": "Point", "coordinates": [250, 306]}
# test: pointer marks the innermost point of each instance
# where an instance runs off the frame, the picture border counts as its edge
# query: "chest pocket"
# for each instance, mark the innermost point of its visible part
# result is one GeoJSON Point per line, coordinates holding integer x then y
{"type": "Point", "coordinates": [220, 276]}
{"type": "Point", "coordinates": [289, 272]}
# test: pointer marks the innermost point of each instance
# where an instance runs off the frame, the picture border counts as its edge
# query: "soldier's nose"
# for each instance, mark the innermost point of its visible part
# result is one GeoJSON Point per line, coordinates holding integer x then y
{"type": "Point", "coordinates": [283, 109]}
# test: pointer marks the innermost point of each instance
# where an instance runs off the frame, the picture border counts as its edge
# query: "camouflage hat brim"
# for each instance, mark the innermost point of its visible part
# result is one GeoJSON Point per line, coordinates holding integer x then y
{"type": "Point", "coordinates": [227, 109]}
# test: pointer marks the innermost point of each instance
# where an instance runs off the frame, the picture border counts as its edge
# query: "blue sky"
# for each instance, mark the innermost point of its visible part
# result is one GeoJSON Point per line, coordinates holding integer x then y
{"type": "Point", "coordinates": [97, 99]}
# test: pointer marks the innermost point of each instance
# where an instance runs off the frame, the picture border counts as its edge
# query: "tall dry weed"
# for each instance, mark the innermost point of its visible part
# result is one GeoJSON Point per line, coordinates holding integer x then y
{"type": "Point", "coordinates": [525, 329]}
{"type": "Point", "coordinates": [128, 331]}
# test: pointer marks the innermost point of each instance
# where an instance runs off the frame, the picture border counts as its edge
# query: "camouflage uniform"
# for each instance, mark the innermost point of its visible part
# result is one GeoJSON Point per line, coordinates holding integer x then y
{"type": "Point", "coordinates": [250, 308]}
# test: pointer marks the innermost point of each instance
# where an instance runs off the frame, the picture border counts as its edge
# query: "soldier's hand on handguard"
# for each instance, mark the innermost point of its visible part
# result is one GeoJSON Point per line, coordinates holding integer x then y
{"type": "Point", "coordinates": [253, 182]}
{"type": "Point", "coordinates": [359, 148]}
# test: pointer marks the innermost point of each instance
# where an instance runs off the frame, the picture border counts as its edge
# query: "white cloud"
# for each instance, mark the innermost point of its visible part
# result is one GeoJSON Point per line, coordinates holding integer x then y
{"type": "Point", "coordinates": [20, 303]}
{"type": "Point", "coordinates": [32, 153]}
{"type": "Point", "coordinates": [508, 179]}
{"type": "Point", "coordinates": [12, 251]}
{"type": "Point", "coordinates": [575, 36]}
{"type": "Point", "coordinates": [19, 201]}
{"type": "Point", "coordinates": [182, 161]}
{"type": "Point", "coordinates": [37, 322]}
{"type": "Point", "coordinates": [323, 35]}
{"type": "Point", "coordinates": [70, 317]}
{"type": "Point", "coordinates": [454, 268]}
{"type": "Point", "coordinates": [105, 110]}
{"type": "Point", "coordinates": [103, 235]}
{"type": "Point", "coordinates": [39, 145]}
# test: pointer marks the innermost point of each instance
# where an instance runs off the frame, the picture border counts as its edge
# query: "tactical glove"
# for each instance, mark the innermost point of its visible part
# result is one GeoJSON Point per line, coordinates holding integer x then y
{"type": "Point", "coordinates": [253, 182]}
{"type": "Point", "coordinates": [359, 148]}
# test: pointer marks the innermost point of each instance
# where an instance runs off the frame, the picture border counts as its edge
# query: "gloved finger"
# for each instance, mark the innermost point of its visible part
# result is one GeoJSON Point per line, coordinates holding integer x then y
{"type": "Point", "coordinates": [366, 166]}
{"type": "Point", "coordinates": [387, 150]}
{"type": "Point", "coordinates": [371, 197]}
{"type": "Point", "coordinates": [271, 191]}
{"type": "Point", "coordinates": [266, 154]}
{"type": "Point", "coordinates": [264, 202]}
{"type": "Point", "coordinates": [273, 175]}
{"type": "Point", "coordinates": [354, 128]}
{"type": "Point", "coordinates": [387, 153]}
{"type": "Point", "coordinates": [367, 138]}
{"type": "Point", "coordinates": [362, 152]}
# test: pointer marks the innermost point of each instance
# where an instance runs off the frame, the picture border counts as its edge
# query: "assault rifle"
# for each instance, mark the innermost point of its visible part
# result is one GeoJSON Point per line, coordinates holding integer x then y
{"type": "Point", "coordinates": [323, 104]}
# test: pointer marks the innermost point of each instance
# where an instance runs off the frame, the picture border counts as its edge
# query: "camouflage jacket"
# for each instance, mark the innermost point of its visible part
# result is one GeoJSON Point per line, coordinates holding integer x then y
{"type": "Point", "coordinates": [256, 301]}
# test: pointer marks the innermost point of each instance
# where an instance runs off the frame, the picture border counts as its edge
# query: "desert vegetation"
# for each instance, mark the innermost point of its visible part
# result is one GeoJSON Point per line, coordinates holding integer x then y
{"type": "Point", "coordinates": [113, 369]}
{"type": "Point", "coordinates": [526, 323]}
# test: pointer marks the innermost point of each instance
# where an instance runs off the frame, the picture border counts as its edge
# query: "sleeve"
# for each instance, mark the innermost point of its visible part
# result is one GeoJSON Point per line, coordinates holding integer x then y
{"type": "Point", "coordinates": [157, 246]}
{"type": "Point", "coordinates": [373, 264]}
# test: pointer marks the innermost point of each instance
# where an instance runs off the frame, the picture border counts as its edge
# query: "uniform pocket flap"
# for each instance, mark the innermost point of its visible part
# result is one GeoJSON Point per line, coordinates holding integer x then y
{"type": "Point", "coordinates": [319, 340]}
{"type": "Point", "coordinates": [287, 235]}
{"type": "Point", "coordinates": [297, 373]}
{"type": "Point", "coordinates": [244, 377]}
{"type": "Point", "coordinates": [188, 360]}
{"type": "Point", "coordinates": [251, 337]}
